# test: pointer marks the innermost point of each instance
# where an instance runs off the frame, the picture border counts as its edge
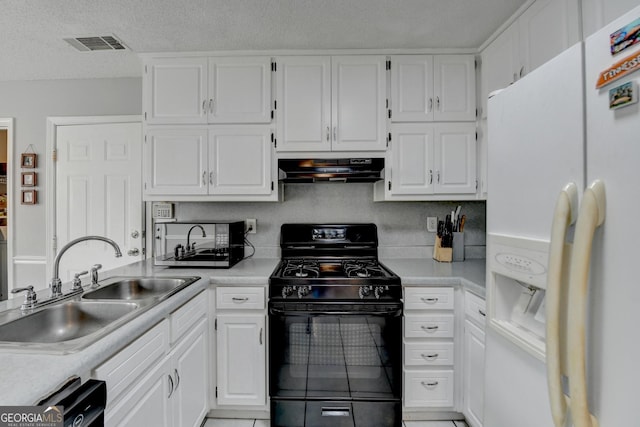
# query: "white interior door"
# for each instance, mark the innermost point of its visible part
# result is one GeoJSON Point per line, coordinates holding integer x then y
{"type": "Point", "coordinates": [98, 192]}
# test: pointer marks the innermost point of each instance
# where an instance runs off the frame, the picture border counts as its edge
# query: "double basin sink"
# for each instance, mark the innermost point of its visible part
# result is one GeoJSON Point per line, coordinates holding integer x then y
{"type": "Point", "coordinates": [76, 322]}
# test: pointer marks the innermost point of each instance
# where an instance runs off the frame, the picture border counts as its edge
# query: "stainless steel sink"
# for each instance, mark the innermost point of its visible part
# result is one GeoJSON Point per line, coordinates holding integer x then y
{"type": "Point", "coordinates": [67, 321]}
{"type": "Point", "coordinates": [139, 288]}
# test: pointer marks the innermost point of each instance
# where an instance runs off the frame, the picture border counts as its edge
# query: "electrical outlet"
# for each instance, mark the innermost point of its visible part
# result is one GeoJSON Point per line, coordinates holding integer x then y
{"type": "Point", "coordinates": [250, 225]}
{"type": "Point", "coordinates": [432, 224]}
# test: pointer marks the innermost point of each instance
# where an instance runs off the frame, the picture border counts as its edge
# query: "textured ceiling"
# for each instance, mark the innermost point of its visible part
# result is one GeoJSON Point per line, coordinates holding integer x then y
{"type": "Point", "coordinates": [31, 31]}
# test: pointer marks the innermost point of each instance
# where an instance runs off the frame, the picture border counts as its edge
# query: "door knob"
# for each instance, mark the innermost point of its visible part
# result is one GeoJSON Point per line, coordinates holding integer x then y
{"type": "Point", "coordinates": [134, 252]}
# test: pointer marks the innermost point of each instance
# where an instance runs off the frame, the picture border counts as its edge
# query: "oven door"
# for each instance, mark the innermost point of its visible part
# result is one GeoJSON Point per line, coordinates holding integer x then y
{"type": "Point", "coordinates": [335, 364]}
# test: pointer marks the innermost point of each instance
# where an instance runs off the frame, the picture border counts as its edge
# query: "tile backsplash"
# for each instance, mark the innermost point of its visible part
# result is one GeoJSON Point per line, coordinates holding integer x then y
{"type": "Point", "coordinates": [402, 226]}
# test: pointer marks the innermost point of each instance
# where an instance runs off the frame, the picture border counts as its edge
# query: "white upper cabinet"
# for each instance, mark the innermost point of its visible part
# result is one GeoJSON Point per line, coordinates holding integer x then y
{"type": "Point", "coordinates": [431, 159]}
{"type": "Point", "coordinates": [207, 90]}
{"type": "Point", "coordinates": [544, 30]}
{"type": "Point", "coordinates": [303, 110]}
{"type": "Point", "coordinates": [240, 90]}
{"type": "Point", "coordinates": [225, 162]}
{"type": "Point", "coordinates": [433, 88]}
{"type": "Point", "coordinates": [331, 103]}
{"type": "Point", "coordinates": [359, 103]}
{"type": "Point", "coordinates": [175, 90]}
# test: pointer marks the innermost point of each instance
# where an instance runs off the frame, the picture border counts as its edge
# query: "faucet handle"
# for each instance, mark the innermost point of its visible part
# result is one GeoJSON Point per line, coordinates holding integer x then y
{"type": "Point", "coordinates": [77, 283]}
{"type": "Point", "coordinates": [30, 298]}
{"type": "Point", "coordinates": [94, 274]}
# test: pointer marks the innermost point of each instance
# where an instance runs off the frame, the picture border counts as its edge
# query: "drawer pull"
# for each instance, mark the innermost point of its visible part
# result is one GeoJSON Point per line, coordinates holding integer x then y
{"type": "Point", "coordinates": [238, 299]}
{"type": "Point", "coordinates": [426, 384]}
{"type": "Point", "coordinates": [430, 300]}
{"type": "Point", "coordinates": [429, 328]}
{"type": "Point", "coordinates": [482, 313]}
{"type": "Point", "coordinates": [429, 356]}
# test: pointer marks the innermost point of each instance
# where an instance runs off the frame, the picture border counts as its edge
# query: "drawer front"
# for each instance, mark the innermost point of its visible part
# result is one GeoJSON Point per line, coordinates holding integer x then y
{"type": "Point", "coordinates": [475, 308]}
{"type": "Point", "coordinates": [428, 354]}
{"type": "Point", "coordinates": [125, 368]}
{"type": "Point", "coordinates": [183, 319]}
{"type": "Point", "coordinates": [240, 298]}
{"type": "Point", "coordinates": [428, 388]}
{"type": "Point", "coordinates": [418, 298]}
{"type": "Point", "coordinates": [428, 326]}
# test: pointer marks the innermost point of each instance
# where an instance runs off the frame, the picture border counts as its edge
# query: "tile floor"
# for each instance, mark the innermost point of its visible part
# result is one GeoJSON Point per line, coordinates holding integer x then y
{"type": "Point", "coordinates": [218, 422]}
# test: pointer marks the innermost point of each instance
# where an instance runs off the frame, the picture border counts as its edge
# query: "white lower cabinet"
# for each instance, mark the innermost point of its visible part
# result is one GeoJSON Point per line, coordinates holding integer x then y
{"type": "Point", "coordinates": [241, 342]}
{"type": "Point", "coordinates": [473, 368]}
{"type": "Point", "coordinates": [151, 382]}
{"type": "Point", "coordinates": [429, 349]}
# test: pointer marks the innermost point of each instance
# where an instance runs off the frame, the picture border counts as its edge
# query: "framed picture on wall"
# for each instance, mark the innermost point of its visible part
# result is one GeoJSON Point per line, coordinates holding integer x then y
{"type": "Point", "coordinates": [29, 179]}
{"type": "Point", "coordinates": [28, 160]}
{"type": "Point", "coordinates": [29, 197]}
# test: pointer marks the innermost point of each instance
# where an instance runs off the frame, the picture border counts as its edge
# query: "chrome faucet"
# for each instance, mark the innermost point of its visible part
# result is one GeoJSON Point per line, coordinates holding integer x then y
{"type": "Point", "coordinates": [56, 283]}
{"type": "Point", "coordinates": [189, 248]}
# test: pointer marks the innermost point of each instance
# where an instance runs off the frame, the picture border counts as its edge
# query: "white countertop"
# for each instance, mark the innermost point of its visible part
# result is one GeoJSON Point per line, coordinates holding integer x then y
{"type": "Point", "coordinates": [25, 377]}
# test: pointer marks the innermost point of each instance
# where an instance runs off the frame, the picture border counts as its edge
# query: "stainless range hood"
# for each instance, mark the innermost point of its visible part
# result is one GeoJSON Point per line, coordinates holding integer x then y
{"type": "Point", "coordinates": [333, 170]}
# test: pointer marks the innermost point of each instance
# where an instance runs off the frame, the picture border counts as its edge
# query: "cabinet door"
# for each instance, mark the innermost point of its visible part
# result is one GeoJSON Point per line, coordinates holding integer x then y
{"type": "Point", "coordinates": [473, 374]}
{"type": "Point", "coordinates": [148, 403]}
{"type": "Point", "coordinates": [240, 160]}
{"type": "Point", "coordinates": [455, 154]}
{"type": "Point", "coordinates": [500, 64]}
{"type": "Point", "coordinates": [358, 103]}
{"type": "Point", "coordinates": [240, 90]}
{"type": "Point", "coordinates": [175, 90]}
{"type": "Point", "coordinates": [454, 88]}
{"type": "Point", "coordinates": [241, 359]}
{"type": "Point", "coordinates": [411, 154]}
{"type": "Point", "coordinates": [547, 28]}
{"type": "Point", "coordinates": [191, 375]}
{"type": "Point", "coordinates": [303, 113]}
{"type": "Point", "coordinates": [412, 88]}
{"type": "Point", "coordinates": [175, 161]}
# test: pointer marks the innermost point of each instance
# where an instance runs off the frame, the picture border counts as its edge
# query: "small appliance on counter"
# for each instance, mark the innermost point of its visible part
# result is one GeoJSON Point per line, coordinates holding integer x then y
{"type": "Point", "coordinates": [198, 243]}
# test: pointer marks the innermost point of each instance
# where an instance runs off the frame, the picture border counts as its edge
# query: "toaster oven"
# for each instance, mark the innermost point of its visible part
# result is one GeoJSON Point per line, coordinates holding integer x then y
{"type": "Point", "coordinates": [195, 243]}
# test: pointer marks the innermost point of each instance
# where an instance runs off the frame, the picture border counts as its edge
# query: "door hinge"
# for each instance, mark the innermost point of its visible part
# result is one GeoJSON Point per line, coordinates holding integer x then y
{"type": "Point", "coordinates": [54, 155]}
{"type": "Point", "coordinates": [389, 185]}
{"type": "Point", "coordinates": [272, 185]}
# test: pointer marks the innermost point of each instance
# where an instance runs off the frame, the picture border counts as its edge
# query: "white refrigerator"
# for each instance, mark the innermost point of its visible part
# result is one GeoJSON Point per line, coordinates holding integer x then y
{"type": "Point", "coordinates": [552, 135]}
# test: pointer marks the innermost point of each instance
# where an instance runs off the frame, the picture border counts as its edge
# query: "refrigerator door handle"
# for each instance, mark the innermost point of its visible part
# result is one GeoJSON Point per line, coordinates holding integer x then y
{"type": "Point", "coordinates": [564, 215]}
{"type": "Point", "coordinates": [592, 213]}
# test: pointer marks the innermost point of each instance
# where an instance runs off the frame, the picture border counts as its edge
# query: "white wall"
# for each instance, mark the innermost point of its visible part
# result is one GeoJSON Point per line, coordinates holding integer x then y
{"type": "Point", "coordinates": [597, 13]}
{"type": "Point", "coordinates": [30, 103]}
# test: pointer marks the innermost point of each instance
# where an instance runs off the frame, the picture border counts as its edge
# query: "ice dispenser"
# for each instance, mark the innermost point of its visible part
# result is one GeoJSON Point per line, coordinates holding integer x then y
{"type": "Point", "coordinates": [517, 273]}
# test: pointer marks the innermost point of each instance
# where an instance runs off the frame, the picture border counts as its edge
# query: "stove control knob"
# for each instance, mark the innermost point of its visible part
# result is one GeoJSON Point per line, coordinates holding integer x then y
{"type": "Point", "coordinates": [303, 291]}
{"type": "Point", "coordinates": [364, 291]}
{"type": "Point", "coordinates": [287, 291]}
{"type": "Point", "coordinates": [380, 291]}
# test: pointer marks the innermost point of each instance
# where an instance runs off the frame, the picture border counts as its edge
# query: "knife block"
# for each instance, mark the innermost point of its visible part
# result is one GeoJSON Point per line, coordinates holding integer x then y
{"type": "Point", "coordinates": [442, 254]}
{"type": "Point", "coordinates": [458, 246]}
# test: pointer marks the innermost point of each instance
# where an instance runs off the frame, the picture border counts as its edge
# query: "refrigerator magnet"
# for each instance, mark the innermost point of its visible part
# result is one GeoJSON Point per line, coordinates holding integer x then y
{"type": "Point", "coordinates": [622, 68]}
{"type": "Point", "coordinates": [625, 37]}
{"type": "Point", "coordinates": [623, 95]}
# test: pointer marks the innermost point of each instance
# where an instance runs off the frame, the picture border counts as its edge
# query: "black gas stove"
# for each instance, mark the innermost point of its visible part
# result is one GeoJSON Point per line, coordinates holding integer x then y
{"type": "Point", "coordinates": [335, 322]}
{"type": "Point", "coordinates": [332, 262]}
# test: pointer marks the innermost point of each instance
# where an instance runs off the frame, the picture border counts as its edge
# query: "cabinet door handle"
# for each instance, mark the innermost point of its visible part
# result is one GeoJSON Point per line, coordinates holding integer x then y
{"type": "Point", "coordinates": [170, 386]}
{"type": "Point", "coordinates": [522, 71]}
{"type": "Point", "coordinates": [430, 104]}
{"type": "Point", "coordinates": [177, 375]}
{"type": "Point", "coordinates": [211, 178]}
{"type": "Point", "coordinates": [430, 356]}
{"type": "Point", "coordinates": [238, 299]}
{"type": "Point", "coordinates": [438, 174]}
{"type": "Point", "coordinates": [260, 336]}
{"type": "Point", "coordinates": [204, 106]}
{"type": "Point", "coordinates": [429, 300]}
{"type": "Point", "coordinates": [328, 133]}
{"type": "Point", "coordinates": [437, 102]}
{"type": "Point", "coordinates": [430, 176]}
{"type": "Point", "coordinates": [429, 328]}
{"type": "Point", "coordinates": [335, 133]}
{"type": "Point", "coordinates": [482, 313]}
{"type": "Point", "coordinates": [426, 384]}
{"type": "Point", "coordinates": [211, 105]}
{"type": "Point", "coordinates": [204, 178]}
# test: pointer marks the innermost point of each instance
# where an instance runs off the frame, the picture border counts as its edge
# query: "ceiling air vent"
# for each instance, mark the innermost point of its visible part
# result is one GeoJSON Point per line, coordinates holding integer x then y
{"type": "Point", "coordinates": [87, 44]}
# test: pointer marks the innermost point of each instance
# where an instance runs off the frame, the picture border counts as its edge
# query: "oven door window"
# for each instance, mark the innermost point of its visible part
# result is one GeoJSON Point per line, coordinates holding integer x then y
{"type": "Point", "coordinates": [335, 356]}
